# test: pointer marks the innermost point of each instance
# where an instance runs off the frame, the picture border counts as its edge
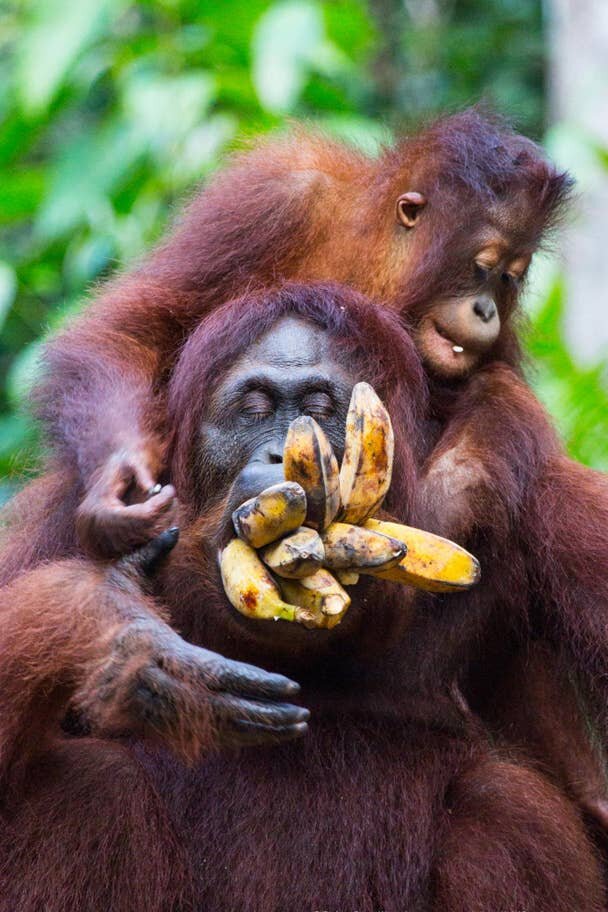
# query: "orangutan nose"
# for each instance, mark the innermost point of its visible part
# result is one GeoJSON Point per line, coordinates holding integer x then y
{"type": "Point", "coordinates": [272, 453]}
{"type": "Point", "coordinates": [485, 308]}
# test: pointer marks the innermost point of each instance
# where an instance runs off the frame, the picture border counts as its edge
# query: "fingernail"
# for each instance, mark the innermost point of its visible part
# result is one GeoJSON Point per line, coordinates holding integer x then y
{"type": "Point", "coordinates": [173, 532]}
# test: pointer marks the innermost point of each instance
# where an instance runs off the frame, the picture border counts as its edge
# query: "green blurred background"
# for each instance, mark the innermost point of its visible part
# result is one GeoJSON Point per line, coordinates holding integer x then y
{"type": "Point", "coordinates": [111, 111]}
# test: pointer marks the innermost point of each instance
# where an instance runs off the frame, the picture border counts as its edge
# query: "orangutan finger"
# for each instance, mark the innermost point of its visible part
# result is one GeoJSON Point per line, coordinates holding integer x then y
{"type": "Point", "coordinates": [143, 478]}
{"type": "Point", "coordinates": [243, 679]}
{"type": "Point", "coordinates": [156, 505]}
{"type": "Point", "coordinates": [276, 715]}
{"type": "Point", "coordinates": [147, 559]}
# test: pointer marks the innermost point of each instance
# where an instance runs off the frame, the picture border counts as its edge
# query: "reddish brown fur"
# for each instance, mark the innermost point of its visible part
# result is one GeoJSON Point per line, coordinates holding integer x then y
{"type": "Point", "coordinates": [498, 482]}
{"type": "Point", "coordinates": [108, 373]}
{"type": "Point", "coordinates": [392, 801]}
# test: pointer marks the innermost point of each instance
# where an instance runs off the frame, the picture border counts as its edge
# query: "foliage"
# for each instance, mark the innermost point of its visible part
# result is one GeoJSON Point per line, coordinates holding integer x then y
{"type": "Point", "coordinates": [111, 110]}
{"type": "Point", "coordinates": [576, 397]}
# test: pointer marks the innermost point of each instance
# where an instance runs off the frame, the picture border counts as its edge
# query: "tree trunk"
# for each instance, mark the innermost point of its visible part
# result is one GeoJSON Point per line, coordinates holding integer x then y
{"type": "Point", "coordinates": [579, 97]}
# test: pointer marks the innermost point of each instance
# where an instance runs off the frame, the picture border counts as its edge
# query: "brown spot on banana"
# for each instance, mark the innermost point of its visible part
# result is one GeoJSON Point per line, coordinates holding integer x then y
{"type": "Point", "coordinates": [275, 512]}
{"type": "Point", "coordinates": [309, 460]}
{"type": "Point", "coordinates": [367, 465]}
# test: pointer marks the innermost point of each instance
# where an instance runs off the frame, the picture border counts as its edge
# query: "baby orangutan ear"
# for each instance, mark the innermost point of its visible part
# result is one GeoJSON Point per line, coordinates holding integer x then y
{"type": "Point", "coordinates": [409, 207]}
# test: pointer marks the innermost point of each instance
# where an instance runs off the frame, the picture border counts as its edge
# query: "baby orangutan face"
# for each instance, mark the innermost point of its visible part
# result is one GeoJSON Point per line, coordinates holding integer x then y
{"type": "Point", "coordinates": [455, 334]}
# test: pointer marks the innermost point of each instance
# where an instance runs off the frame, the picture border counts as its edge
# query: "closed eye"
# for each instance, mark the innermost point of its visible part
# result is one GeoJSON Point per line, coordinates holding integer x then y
{"type": "Point", "coordinates": [481, 274]}
{"type": "Point", "coordinates": [256, 405]}
{"type": "Point", "coordinates": [318, 405]}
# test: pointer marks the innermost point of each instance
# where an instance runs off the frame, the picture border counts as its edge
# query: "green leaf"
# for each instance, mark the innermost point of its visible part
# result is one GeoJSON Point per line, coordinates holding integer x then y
{"type": "Point", "coordinates": [20, 192]}
{"type": "Point", "coordinates": [200, 149]}
{"type": "Point", "coordinates": [84, 177]}
{"type": "Point", "coordinates": [165, 109]}
{"type": "Point", "coordinates": [8, 290]}
{"type": "Point", "coordinates": [50, 44]}
{"type": "Point", "coordinates": [23, 373]}
{"type": "Point", "coordinates": [17, 453]}
{"type": "Point", "coordinates": [286, 41]}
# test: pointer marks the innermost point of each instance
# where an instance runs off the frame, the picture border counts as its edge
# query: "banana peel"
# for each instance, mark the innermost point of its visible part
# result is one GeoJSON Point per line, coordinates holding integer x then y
{"type": "Point", "coordinates": [367, 464]}
{"type": "Point", "coordinates": [296, 555]}
{"type": "Point", "coordinates": [309, 461]}
{"type": "Point", "coordinates": [432, 563]}
{"type": "Point", "coordinates": [319, 595]}
{"type": "Point", "coordinates": [275, 512]}
{"type": "Point", "coordinates": [355, 548]}
{"type": "Point", "coordinates": [251, 589]}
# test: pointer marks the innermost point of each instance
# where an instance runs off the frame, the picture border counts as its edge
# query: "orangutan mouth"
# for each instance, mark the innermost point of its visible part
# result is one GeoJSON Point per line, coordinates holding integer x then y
{"type": "Point", "coordinates": [456, 348]}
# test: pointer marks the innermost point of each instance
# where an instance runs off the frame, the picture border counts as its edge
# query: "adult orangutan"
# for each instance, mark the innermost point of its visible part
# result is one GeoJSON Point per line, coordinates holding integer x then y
{"type": "Point", "coordinates": [386, 798]}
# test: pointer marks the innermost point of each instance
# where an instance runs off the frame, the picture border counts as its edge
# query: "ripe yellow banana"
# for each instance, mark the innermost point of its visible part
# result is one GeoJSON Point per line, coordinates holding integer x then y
{"type": "Point", "coordinates": [367, 465]}
{"type": "Point", "coordinates": [275, 512]}
{"type": "Point", "coordinates": [432, 562]}
{"type": "Point", "coordinates": [251, 589]}
{"type": "Point", "coordinates": [309, 460]}
{"type": "Point", "coordinates": [295, 556]}
{"type": "Point", "coordinates": [349, 547]}
{"type": "Point", "coordinates": [320, 595]}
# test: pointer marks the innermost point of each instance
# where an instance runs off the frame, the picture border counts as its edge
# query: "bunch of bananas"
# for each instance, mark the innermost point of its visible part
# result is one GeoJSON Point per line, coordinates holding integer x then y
{"type": "Point", "coordinates": [300, 542]}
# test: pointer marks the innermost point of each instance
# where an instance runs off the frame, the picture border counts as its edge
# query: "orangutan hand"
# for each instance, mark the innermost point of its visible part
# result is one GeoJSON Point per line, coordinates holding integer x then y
{"type": "Point", "coordinates": [124, 507]}
{"type": "Point", "coordinates": [150, 681]}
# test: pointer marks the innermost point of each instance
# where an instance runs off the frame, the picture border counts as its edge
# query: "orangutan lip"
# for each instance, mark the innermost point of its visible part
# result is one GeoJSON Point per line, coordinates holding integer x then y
{"type": "Point", "coordinates": [456, 348]}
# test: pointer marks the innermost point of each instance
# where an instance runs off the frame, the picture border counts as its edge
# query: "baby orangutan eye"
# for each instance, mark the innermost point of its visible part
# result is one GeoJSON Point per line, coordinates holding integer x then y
{"type": "Point", "coordinates": [481, 273]}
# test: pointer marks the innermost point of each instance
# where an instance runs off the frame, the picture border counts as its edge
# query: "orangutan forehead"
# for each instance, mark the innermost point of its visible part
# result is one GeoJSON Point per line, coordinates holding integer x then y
{"type": "Point", "coordinates": [517, 218]}
{"type": "Point", "coordinates": [509, 232]}
{"type": "Point", "coordinates": [292, 348]}
{"type": "Point", "coordinates": [292, 342]}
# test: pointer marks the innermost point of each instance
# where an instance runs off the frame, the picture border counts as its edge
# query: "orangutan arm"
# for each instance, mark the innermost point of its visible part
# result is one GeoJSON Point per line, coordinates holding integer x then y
{"type": "Point", "coordinates": [491, 451]}
{"type": "Point", "coordinates": [86, 637]}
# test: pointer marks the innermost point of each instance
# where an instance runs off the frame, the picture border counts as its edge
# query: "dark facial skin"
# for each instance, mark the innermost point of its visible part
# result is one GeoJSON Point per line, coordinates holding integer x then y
{"type": "Point", "coordinates": [290, 371]}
